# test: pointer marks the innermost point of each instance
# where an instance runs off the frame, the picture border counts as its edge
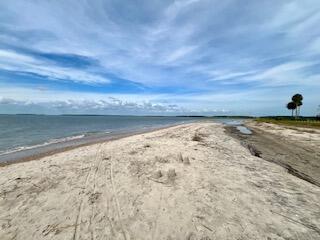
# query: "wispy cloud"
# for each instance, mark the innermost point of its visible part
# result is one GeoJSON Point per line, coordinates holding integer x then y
{"type": "Point", "coordinates": [17, 62]}
{"type": "Point", "coordinates": [290, 73]}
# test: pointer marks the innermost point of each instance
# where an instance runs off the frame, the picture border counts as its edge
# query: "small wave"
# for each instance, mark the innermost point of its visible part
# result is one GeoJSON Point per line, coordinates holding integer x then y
{"type": "Point", "coordinates": [52, 141]}
{"type": "Point", "coordinates": [96, 133]}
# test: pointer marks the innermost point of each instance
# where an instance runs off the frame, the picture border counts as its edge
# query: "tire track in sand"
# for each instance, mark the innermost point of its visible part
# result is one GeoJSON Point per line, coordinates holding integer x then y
{"type": "Point", "coordinates": [98, 156]}
{"type": "Point", "coordinates": [118, 209]}
{"type": "Point", "coordinates": [77, 226]}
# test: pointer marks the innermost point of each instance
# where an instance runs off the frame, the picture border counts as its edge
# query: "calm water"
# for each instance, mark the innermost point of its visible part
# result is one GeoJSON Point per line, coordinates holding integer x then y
{"type": "Point", "coordinates": [237, 122]}
{"type": "Point", "coordinates": [21, 132]}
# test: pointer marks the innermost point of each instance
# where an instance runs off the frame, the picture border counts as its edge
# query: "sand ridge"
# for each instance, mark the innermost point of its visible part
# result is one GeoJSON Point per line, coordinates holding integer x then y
{"type": "Point", "coordinates": [126, 189]}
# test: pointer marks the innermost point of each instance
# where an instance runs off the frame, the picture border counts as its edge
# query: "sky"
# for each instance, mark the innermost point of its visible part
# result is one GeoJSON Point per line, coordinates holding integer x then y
{"type": "Point", "coordinates": [159, 57]}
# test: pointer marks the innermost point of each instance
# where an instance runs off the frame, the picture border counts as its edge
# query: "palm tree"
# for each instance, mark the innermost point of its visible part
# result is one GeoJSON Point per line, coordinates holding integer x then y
{"type": "Point", "coordinates": [297, 99]}
{"type": "Point", "coordinates": [291, 106]}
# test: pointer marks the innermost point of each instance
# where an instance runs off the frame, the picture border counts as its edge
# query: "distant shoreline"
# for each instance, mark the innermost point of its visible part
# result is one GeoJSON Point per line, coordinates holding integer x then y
{"type": "Point", "coordinates": [117, 115]}
{"type": "Point", "coordinates": [191, 116]}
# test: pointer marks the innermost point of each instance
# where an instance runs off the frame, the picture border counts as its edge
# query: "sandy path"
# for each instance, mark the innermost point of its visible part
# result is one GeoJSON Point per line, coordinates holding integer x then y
{"type": "Point", "coordinates": [113, 191]}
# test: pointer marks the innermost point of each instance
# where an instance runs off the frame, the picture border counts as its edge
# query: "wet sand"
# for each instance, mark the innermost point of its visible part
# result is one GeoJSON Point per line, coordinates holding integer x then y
{"type": "Point", "coordinates": [192, 181]}
{"type": "Point", "coordinates": [295, 149]}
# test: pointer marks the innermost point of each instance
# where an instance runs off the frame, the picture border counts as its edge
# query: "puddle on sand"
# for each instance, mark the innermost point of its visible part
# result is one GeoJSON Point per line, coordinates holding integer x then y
{"type": "Point", "coordinates": [244, 130]}
{"type": "Point", "coordinates": [238, 123]}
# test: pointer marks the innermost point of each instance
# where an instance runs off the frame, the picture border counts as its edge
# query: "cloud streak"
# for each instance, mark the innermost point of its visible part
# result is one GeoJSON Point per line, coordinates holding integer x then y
{"type": "Point", "coordinates": [16, 62]}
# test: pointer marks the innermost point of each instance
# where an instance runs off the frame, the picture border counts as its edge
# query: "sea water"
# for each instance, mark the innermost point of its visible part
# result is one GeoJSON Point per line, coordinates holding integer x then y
{"type": "Point", "coordinates": [22, 132]}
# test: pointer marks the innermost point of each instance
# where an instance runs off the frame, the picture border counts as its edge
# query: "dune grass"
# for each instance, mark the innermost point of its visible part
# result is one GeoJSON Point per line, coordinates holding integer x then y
{"type": "Point", "coordinates": [307, 123]}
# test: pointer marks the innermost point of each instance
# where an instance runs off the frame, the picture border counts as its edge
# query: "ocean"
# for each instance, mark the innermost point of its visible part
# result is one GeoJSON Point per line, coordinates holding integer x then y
{"type": "Point", "coordinates": [24, 136]}
{"type": "Point", "coordinates": [26, 132]}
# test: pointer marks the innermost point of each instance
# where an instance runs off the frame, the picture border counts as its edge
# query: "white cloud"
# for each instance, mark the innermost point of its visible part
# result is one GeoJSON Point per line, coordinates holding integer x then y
{"type": "Point", "coordinates": [285, 74]}
{"type": "Point", "coordinates": [227, 74]}
{"type": "Point", "coordinates": [97, 106]}
{"type": "Point", "coordinates": [209, 103]}
{"type": "Point", "coordinates": [13, 61]}
{"type": "Point", "coordinates": [13, 57]}
{"type": "Point", "coordinates": [81, 102]}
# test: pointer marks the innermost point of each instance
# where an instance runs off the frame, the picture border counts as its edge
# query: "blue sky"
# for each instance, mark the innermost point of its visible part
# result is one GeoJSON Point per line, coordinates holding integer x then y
{"type": "Point", "coordinates": [159, 57]}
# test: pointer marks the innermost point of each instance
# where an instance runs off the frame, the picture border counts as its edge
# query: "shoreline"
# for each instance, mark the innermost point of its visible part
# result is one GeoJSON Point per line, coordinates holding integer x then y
{"type": "Point", "coordinates": [55, 148]}
{"type": "Point", "coordinates": [191, 181]}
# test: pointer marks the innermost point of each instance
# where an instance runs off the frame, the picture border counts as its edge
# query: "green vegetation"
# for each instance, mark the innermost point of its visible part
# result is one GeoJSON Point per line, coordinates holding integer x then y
{"type": "Point", "coordinates": [295, 104]}
{"type": "Point", "coordinates": [297, 99]}
{"type": "Point", "coordinates": [291, 106]}
{"type": "Point", "coordinates": [309, 122]}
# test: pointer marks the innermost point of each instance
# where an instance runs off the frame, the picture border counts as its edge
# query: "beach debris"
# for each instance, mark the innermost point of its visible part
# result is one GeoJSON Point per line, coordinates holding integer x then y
{"type": "Point", "coordinates": [157, 174]}
{"type": "Point", "coordinates": [147, 145]}
{"type": "Point", "coordinates": [197, 138]}
{"type": "Point", "coordinates": [94, 197]}
{"type": "Point", "coordinates": [55, 165]}
{"type": "Point", "coordinates": [255, 152]}
{"type": "Point", "coordinates": [51, 229]}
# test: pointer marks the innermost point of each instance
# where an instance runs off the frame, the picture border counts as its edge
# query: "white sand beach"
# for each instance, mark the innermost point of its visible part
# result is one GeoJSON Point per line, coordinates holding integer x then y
{"type": "Point", "coordinates": [167, 184]}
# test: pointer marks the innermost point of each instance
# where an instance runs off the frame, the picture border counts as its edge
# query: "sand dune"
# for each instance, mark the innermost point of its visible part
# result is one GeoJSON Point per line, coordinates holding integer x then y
{"type": "Point", "coordinates": [166, 184]}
